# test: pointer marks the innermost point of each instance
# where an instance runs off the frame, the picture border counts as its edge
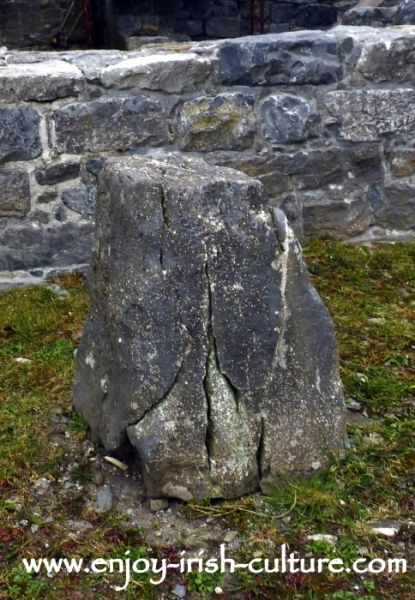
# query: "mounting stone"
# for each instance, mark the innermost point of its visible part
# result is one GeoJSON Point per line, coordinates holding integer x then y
{"type": "Point", "coordinates": [207, 347]}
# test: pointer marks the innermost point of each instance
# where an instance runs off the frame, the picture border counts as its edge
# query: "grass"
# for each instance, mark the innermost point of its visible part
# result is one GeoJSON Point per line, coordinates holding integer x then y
{"type": "Point", "coordinates": [370, 294]}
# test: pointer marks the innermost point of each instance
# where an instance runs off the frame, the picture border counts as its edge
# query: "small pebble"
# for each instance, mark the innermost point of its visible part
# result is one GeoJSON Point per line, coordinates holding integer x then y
{"type": "Point", "coordinates": [104, 498]}
{"type": "Point", "coordinates": [354, 406]}
{"type": "Point", "coordinates": [230, 536]}
{"type": "Point", "coordinates": [323, 537]}
{"type": "Point", "coordinates": [179, 591]}
{"type": "Point", "coordinates": [60, 292]}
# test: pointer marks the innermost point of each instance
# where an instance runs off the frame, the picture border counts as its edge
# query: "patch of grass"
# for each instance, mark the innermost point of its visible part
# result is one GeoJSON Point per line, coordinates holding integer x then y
{"type": "Point", "coordinates": [77, 424]}
{"type": "Point", "coordinates": [204, 584]}
{"type": "Point", "coordinates": [25, 585]}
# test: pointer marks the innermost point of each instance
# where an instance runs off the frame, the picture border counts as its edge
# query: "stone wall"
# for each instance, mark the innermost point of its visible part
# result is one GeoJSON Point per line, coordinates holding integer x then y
{"type": "Point", "coordinates": [326, 120]}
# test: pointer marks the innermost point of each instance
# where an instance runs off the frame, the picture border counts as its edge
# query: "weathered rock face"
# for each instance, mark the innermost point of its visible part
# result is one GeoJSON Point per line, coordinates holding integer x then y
{"type": "Point", "coordinates": [19, 134]}
{"type": "Point", "coordinates": [206, 346]}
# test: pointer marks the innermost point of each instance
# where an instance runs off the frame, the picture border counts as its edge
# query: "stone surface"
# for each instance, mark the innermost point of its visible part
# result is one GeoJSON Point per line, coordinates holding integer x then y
{"type": "Point", "coordinates": [335, 214]}
{"type": "Point", "coordinates": [388, 59]}
{"type": "Point", "coordinates": [287, 118]}
{"type": "Point", "coordinates": [81, 199]}
{"type": "Point", "coordinates": [19, 134]}
{"type": "Point", "coordinates": [309, 168]}
{"type": "Point", "coordinates": [173, 73]}
{"type": "Point", "coordinates": [56, 173]}
{"type": "Point", "coordinates": [293, 58]}
{"type": "Point", "coordinates": [403, 162]}
{"type": "Point", "coordinates": [110, 124]}
{"type": "Point", "coordinates": [42, 81]}
{"type": "Point", "coordinates": [14, 193]}
{"type": "Point", "coordinates": [224, 122]}
{"type": "Point", "coordinates": [367, 115]}
{"type": "Point", "coordinates": [206, 344]}
{"type": "Point", "coordinates": [405, 14]}
{"type": "Point", "coordinates": [396, 208]}
{"type": "Point", "coordinates": [62, 245]}
{"type": "Point", "coordinates": [374, 16]}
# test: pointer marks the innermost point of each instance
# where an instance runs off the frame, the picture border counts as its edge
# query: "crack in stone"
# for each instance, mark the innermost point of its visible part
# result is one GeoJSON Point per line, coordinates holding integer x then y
{"type": "Point", "coordinates": [233, 389]}
{"type": "Point", "coordinates": [208, 436]}
{"type": "Point", "coordinates": [160, 400]}
{"type": "Point", "coordinates": [166, 224]}
{"type": "Point", "coordinates": [261, 448]}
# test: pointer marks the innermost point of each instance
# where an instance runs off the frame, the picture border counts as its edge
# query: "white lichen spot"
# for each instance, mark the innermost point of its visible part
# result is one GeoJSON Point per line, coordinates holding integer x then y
{"type": "Point", "coordinates": [104, 384]}
{"type": "Point", "coordinates": [90, 360]}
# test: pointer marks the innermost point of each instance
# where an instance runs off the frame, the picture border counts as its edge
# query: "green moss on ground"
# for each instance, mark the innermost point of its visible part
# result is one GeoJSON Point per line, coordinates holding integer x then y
{"type": "Point", "coordinates": [371, 296]}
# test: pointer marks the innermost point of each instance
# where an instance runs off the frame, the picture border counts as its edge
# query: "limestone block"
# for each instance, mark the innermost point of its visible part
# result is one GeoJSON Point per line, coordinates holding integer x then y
{"type": "Point", "coordinates": [224, 122]}
{"type": "Point", "coordinates": [26, 248]}
{"type": "Point", "coordinates": [206, 345]}
{"type": "Point", "coordinates": [56, 173]}
{"type": "Point", "coordinates": [337, 213]}
{"type": "Point", "coordinates": [173, 73]}
{"type": "Point", "coordinates": [367, 115]}
{"type": "Point", "coordinates": [390, 58]}
{"type": "Point", "coordinates": [287, 118]}
{"type": "Point", "coordinates": [110, 124]}
{"type": "Point", "coordinates": [397, 208]}
{"type": "Point", "coordinates": [296, 58]}
{"type": "Point", "coordinates": [374, 16]}
{"type": "Point", "coordinates": [40, 81]}
{"type": "Point", "coordinates": [405, 14]}
{"type": "Point", "coordinates": [19, 134]}
{"type": "Point", "coordinates": [14, 193]}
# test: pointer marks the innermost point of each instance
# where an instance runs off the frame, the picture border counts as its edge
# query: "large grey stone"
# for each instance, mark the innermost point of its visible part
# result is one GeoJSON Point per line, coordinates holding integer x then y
{"type": "Point", "coordinates": [224, 122]}
{"type": "Point", "coordinates": [291, 58]}
{"type": "Point", "coordinates": [110, 124]}
{"type": "Point", "coordinates": [57, 173]}
{"type": "Point", "coordinates": [367, 115]}
{"type": "Point", "coordinates": [40, 81]}
{"type": "Point", "coordinates": [389, 58]}
{"type": "Point", "coordinates": [14, 193]}
{"type": "Point", "coordinates": [173, 73]}
{"type": "Point", "coordinates": [287, 118]}
{"type": "Point", "coordinates": [206, 345]}
{"type": "Point", "coordinates": [19, 134]}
